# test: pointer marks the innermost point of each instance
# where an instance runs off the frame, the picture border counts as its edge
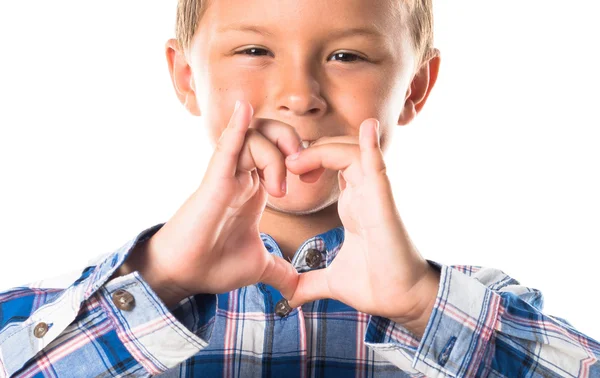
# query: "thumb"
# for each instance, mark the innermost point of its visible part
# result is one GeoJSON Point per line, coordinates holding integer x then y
{"type": "Point", "coordinates": [280, 274]}
{"type": "Point", "coordinates": [311, 287]}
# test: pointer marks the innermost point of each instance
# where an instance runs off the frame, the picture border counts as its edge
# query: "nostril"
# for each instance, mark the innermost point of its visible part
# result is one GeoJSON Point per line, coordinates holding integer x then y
{"type": "Point", "coordinates": [314, 110]}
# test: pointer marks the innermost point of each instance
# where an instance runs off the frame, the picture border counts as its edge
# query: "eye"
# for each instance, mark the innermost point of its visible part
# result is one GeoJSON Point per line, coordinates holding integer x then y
{"type": "Point", "coordinates": [346, 57]}
{"type": "Point", "coordinates": [254, 51]}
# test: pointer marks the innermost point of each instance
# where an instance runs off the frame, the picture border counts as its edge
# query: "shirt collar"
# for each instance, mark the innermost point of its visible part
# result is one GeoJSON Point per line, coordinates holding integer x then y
{"type": "Point", "coordinates": [327, 243]}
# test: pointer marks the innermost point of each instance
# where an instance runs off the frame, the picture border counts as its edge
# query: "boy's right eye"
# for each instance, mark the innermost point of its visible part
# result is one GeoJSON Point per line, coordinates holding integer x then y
{"type": "Point", "coordinates": [254, 51]}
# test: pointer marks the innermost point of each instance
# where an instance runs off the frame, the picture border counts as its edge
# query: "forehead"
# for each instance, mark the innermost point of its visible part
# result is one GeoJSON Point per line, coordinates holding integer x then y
{"type": "Point", "coordinates": [299, 18]}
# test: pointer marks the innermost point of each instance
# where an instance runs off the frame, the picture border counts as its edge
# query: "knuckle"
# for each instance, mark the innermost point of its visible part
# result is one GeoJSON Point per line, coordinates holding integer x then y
{"type": "Point", "coordinates": [252, 133]}
{"type": "Point", "coordinates": [275, 130]}
{"type": "Point", "coordinates": [221, 146]}
{"type": "Point", "coordinates": [290, 131]}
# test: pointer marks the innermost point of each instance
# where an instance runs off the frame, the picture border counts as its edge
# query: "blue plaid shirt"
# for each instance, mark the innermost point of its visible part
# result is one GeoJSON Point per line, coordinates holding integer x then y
{"type": "Point", "coordinates": [484, 323]}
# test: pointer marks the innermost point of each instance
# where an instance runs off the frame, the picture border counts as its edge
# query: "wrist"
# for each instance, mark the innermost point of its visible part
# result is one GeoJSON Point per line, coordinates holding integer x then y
{"type": "Point", "coordinates": [140, 260]}
{"type": "Point", "coordinates": [427, 291]}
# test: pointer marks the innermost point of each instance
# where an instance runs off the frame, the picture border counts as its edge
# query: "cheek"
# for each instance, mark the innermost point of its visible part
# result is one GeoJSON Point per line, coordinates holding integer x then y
{"type": "Point", "coordinates": [357, 99]}
{"type": "Point", "coordinates": [370, 96]}
{"type": "Point", "coordinates": [224, 88]}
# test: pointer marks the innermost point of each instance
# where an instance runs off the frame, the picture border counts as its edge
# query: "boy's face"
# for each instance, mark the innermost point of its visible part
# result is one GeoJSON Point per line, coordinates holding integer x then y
{"type": "Point", "coordinates": [320, 66]}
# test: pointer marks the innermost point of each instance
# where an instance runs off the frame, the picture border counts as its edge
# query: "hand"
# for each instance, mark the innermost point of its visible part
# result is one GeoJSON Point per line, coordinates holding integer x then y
{"type": "Point", "coordinates": [377, 270]}
{"type": "Point", "coordinates": [212, 244]}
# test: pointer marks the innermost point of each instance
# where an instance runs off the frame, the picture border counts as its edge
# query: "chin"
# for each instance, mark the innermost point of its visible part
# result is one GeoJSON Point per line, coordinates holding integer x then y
{"type": "Point", "coordinates": [307, 198]}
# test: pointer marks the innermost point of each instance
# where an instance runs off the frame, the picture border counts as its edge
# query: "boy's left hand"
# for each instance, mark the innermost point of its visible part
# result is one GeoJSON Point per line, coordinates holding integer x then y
{"type": "Point", "coordinates": [377, 271]}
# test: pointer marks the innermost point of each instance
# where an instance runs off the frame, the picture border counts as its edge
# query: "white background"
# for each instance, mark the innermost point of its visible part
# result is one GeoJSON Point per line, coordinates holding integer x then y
{"type": "Point", "coordinates": [501, 168]}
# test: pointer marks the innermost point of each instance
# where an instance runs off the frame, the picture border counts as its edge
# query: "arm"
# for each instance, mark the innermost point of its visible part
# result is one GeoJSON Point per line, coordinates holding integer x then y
{"type": "Point", "coordinates": [84, 322]}
{"type": "Point", "coordinates": [484, 323]}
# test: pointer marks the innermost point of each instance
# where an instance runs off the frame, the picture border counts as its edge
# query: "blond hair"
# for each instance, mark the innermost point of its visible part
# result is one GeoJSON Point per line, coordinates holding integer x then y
{"type": "Point", "coordinates": [189, 13]}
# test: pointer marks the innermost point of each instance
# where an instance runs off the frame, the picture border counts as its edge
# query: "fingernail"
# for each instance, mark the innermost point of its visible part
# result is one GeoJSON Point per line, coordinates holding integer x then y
{"type": "Point", "coordinates": [284, 186]}
{"type": "Point", "coordinates": [294, 156]}
{"type": "Point", "coordinates": [237, 105]}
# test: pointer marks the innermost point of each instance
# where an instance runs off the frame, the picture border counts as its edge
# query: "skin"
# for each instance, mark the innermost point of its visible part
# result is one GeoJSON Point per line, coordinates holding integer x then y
{"type": "Point", "coordinates": [296, 78]}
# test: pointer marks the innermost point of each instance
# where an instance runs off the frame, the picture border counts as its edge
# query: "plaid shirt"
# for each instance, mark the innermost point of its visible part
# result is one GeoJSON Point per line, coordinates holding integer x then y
{"type": "Point", "coordinates": [484, 323]}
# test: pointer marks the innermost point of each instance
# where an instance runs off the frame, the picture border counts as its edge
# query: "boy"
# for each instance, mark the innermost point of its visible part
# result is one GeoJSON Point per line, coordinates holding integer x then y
{"type": "Point", "coordinates": [291, 258]}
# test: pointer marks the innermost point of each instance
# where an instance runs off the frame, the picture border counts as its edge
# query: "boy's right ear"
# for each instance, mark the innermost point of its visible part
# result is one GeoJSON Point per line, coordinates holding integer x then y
{"type": "Point", "coordinates": [181, 76]}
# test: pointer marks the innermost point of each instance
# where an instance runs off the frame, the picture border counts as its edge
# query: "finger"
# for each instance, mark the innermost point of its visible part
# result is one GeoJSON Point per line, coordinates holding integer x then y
{"type": "Point", "coordinates": [280, 274]}
{"type": "Point", "coordinates": [267, 152]}
{"type": "Point", "coordinates": [341, 181]}
{"type": "Point", "coordinates": [284, 136]}
{"type": "Point", "coordinates": [226, 155]}
{"type": "Point", "coordinates": [311, 287]}
{"type": "Point", "coordinates": [337, 156]}
{"type": "Point", "coordinates": [312, 176]}
{"type": "Point", "coordinates": [346, 139]}
{"type": "Point", "coordinates": [370, 149]}
{"type": "Point", "coordinates": [259, 153]}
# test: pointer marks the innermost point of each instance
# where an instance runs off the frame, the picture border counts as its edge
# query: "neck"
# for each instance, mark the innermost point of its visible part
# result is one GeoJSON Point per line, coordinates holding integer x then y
{"type": "Point", "coordinates": [290, 230]}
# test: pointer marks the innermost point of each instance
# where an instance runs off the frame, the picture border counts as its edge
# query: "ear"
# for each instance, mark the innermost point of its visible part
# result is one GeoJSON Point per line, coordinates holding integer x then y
{"type": "Point", "coordinates": [421, 86]}
{"type": "Point", "coordinates": [181, 76]}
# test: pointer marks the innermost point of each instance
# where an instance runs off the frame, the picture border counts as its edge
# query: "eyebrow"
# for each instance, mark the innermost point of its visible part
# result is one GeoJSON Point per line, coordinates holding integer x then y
{"type": "Point", "coordinates": [340, 33]}
{"type": "Point", "coordinates": [244, 28]}
{"type": "Point", "coordinates": [365, 32]}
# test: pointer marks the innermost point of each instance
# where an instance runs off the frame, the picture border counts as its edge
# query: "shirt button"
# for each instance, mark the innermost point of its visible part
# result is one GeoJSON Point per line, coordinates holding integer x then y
{"type": "Point", "coordinates": [40, 330]}
{"type": "Point", "coordinates": [282, 308]}
{"type": "Point", "coordinates": [313, 258]}
{"type": "Point", "coordinates": [123, 300]}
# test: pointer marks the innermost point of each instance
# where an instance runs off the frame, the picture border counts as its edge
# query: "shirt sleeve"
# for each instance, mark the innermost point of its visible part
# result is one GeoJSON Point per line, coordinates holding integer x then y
{"type": "Point", "coordinates": [52, 325]}
{"type": "Point", "coordinates": [484, 323]}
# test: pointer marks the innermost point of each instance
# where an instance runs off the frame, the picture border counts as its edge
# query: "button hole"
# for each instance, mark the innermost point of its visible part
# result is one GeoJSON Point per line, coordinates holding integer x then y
{"type": "Point", "coordinates": [445, 354]}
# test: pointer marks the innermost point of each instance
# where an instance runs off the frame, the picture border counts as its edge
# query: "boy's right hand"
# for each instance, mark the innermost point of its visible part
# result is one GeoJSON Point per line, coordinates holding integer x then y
{"type": "Point", "coordinates": [212, 244]}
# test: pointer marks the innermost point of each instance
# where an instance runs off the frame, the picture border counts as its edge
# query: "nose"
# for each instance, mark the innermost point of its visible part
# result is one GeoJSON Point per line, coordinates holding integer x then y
{"type": "Point", "coordinates": [299, 93]}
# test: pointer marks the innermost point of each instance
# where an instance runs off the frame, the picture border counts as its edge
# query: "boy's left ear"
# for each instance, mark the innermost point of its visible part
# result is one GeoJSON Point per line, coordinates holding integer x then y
{"type": "Point", "coordinates": [419, 89]}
